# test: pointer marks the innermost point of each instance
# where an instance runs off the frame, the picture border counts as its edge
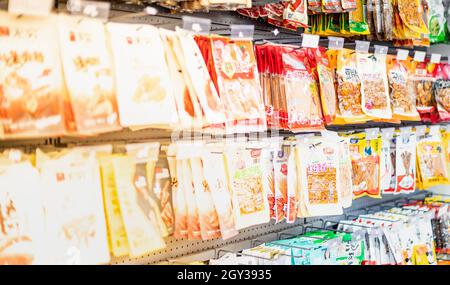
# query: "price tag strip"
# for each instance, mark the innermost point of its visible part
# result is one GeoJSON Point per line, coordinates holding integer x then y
{"type": "Point", "coordinates": [435, 58]}
{"type": "Point", "coordinates": [419, 56]}
{"type": "Point", "coordinates": [383, 50]}
{"type": "Point", "coordinates": [196, 25]}
{"type": "Point", "coordinates": [30, 7]}
{"type": "Point", "coordinates": [91, 9]}
{"type": "Point", "coordinates": [335, 43]}
{"type": "Point", "coordinates": [402, 54]}
{"type": "Point", "coordinates": [310, 41]}
{"type": "Point", "coordinates": [362, 46]}
{"type": "Point", "coordinates": [242, 31]}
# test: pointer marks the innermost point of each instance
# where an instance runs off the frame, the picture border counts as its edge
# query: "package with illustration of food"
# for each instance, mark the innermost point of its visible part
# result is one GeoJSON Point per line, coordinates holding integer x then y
{"type": "Point", "coordinates": [151, 181]}
{"type": "Point", "coordinates": [21, 216]}
{"type": "Point", "coordinates": [238, 84]}
{"type": "Point", "coordinates": [71, 178]}
{"type": "Point", "coordinates": [145, 77]}
{"type": "Point", "coordinates": [188, 107]}
{"type": "Point", "coordinates": [216, 177]}
{"type": "Point", "coordinates": [86, 58]}
{"type": "Point", "coordinates": [411, 13]}
{"type": "Point", "coordinates": [421, 86]}
{"type": "Point", "coordinates": [320, 176]}
{"type": "Point", "coordinates": [441, 91]}
{"type": "Point", "coordinates": [374, 86]}
{"type": "Point", "coordinates": [207, 214]}
{"type": "Point", "coordinates": [431, 158]}
{"type": "Point", "coordinates": [365, 153]}
{"type": "Point", "coordinates": [405, 167]}
{"type": "Point", "coordinates": [32, 92]}
{"type": "Point", "coordinates": [301, 89]}
{"type": "Point", "coordinates": [245, 177]}
{"type": "Point", "coordinates": [180, 211]}
{"type": "Point", "coordinates": [349, 87]}
{"type": "Point", "coordinates": [403, 102]}
{"type": "Point", "coordinates": [387, 160]}
{"type": "Point", "coordinates": [296, 14]}
{"type": "Point", "coordinates": [326, 78]}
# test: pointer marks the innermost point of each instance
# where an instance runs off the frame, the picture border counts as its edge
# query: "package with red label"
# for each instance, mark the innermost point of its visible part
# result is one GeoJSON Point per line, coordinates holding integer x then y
{"type": "Point", "coordinates": [441, 91]}
{"type": "Point", "coordinates": [421, 86]}
{"type": "Point", "coordinates": [238, 84]}
{"type": "Point", "coordinates": [262, 54]}
{"type": "Point", "coordinates": [296, 14]}
{"type": "Point", "coordinates": [32, 93]}
{"type": "Point", "coordinates": [86, 58]}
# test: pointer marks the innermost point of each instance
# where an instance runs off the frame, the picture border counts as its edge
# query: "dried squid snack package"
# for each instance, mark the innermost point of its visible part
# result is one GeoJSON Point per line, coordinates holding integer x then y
{"type": "Point", "coordinates": [387, 167]}
{"type": "Point", "coordinates": [86, 58]}
{"type": "Point", "coordinates": [77, 234]}
{"type": "Point", "coordinates": [245, 177]}
{"type": "Point", "coordinates": [281, 156]}
{"type": "Point", "coordinates": [141, 69]}
{"type": "Point", "coordinates": [180, 210]}
{"type": "Point", "coordinates": [421, 86]}
{"type": "Point", "coordinates": [22, 230]}
{"type": "Point", "coordinates": [301, 89]}
{"type": "Point", "coordinates": [441, 91]}
{"type": "Point", "coordinates": [238, 84]}
{"type": "Point", "coordinates": [216, 177]}
{"type": "Point", "coordinates": [188, 107]}
{"type": "Point", "coordinates": [207, 214]}
{"type": "Point", "coordinates": [345, 172]}
{"type": "Point", "coordinates": [142, 224]}
{"type": "Point", "coordinates": [117, 235]}
{"type": "Point", "coordinates": [349, 87]}
{"type": "Point", "coordinates": [326, 76]}
{"type": "Point", "coordinates": [405, 161]}
{"type": "Point", "coordinates": [267, 158]}
{"type": "Point", "coordinates": [152, 185]}
{"type": "Point", "coordinates": [199, 82]}
{"type": "Point", "coordinates": [402, 100]}
{"type": "Point", "coordinates": [32, 92]}
{"type": "Point", "coordinates": [292, 193]}
{"type": "Point", "coordinates": [411, 13]}
{"type": "Point", "coordinates": [321, 172]}
{"type": "Point", "coordinates": [374, 85]}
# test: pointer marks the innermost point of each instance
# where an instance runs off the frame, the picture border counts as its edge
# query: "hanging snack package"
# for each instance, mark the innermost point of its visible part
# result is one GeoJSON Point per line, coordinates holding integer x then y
{"type": "Point", "coordinates": [441, 91]}
{"type": "Point", "coordinates": [238, 84]}
{"type": "Point", "coordinates": [314, 6]}
{"type": "Point", "coordinates": [296, 14]}
{"type": "Point", "coordinates": [349, 5]}
{"type": "Point", "coordinates": [21, 216]}
{"type": "Point", "coordinates": [349, 87]}
{"type": "Point", "coordinates": [421, 86]}
{"type": "Point", "coordinates": [387, 167]}
{"type": "Point", "coordinates": [411, 13]}
{"type": "Point", "coordinates": [405, 157]}
{"type": "Point", "coordinates": [77, 234]}
{"type": "Point", "coordinates": [403, 102]}
{"type": "Point", "coordinates": [331, 6]}
{"type": "Point", "coordinates": [152, 185]}
{"type": "Point", "coordinates": [188, 107]}
{"type": "Point", "coordinates": [207, 214]}
{"type": "Point", "coordinates": [141, 215]}
{"type": "Point", "coordinates": [431, 158]}
{"type": "Point", "coordinates": [199, 81]}
{"type": "Point", "coordinates": [292, 193]}
{"type": "Point", "coordinates": [180, 211]}
{"type": "Point", "coordinates": [365, 153]}
{"type": "Point", "coordinates": [374, 85]}
{"type": "Point", "coordinates": [345, 173]}
{"type": "Point", "coordinates": [327, 86]}
{"type": "Point", "coordinates": [436, 21]}
{"type": "Point", "coordinates": [267, 158]}
{"type": "Point", "coordinates": [357, 22]}
{"type": "Point", "coordinates": [388, 14]}
{"type": "Point", "coordinates": [280, 161]}
{"type": "Point", "coordinates": [320, 177]}
{"type": "Point", "coordinates": [245, 178]}
{"type": "Point", "coordinates": [145, 77]}
{"type": "Point", "coordinates": [86, 58]}
{"type": "Point", "coordinates": [215, 175]}
{"type": "Point", "coordinates": [32, 93]}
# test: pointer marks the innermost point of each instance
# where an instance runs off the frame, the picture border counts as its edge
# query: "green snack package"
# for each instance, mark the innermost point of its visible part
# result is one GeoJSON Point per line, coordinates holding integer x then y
{"type": "Point", "coordinates": [436, 21]}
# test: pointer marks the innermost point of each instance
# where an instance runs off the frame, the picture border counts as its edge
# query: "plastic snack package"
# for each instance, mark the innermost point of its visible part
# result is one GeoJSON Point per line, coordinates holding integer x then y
{"type": "Point", "coordinates": [153, 198]}
{"type": "Point", "coordinates": [86, 58]}
{"type": "Point", "coordinates": [357, 21]}
{"type": "Point", "coordinates": [421, 86]}
{"type": "Point", "coordinates": [387, 160]}
{"type": "Point", "coordinates": [245, 179]}
{"type": "Point", "coordinates": [387, 19]}
{"type": "Point", "coordinates": [215, 175]}
{"type": "Point", "coordinates": [432, 159]}
{"type": "Point", "coordinates": [32, 92]}
{"type": "Point", "coordinates": [295, 14]}
{"type": "Point", "coordinates": [180, 209]}
{"type": "Point", "coordinates": [331, 6]}
{"type": "Point", "coordinates": [327, 86]}
{"type": "Point", "coordinates": [292, 193]}
{"type": "Point", "coordinates": [405, 158]}
{"type": "Point", "coordinates": [238, 84]}
{"type": "Point", "coordinates": [402, 100]}
{"type": "Point", "coordinates": [141, 219]}
{"type": "Point", "coordinates": [21, 216]}
{"type": "Point", "coordinates": [441, 91]}
{"type": "Point", "coordinates": [411, 13]}
{"type": "Point", "coordinates": [349, 5]}
{"type": "Point", "coordinates": [188, 107]}
{"type": "Point", "coordinates": [145, 77]}
{"type": "Point", "coordinates": [280, 165]}
{"type": "Point", "coordinates": [436, 21]}
{"type": "Point", "coordinates": [345, 172]}
{"type": "Point", "coordinates": [349, 87]}
{"type": "Point", "coordinates": [314, 6]}
{"type": "Point", "coordinates": [77, 234]}
{"type": "Point", "coordinates": [320, 176]}
{"type": "Point", "coordinates": [267, 157]}
{"type": "Point", "coordinates": [374, 86]}
{"type": "Point", "coordinates": [365, 154]}
{"type": "Point", "coordinates": [199, 81]}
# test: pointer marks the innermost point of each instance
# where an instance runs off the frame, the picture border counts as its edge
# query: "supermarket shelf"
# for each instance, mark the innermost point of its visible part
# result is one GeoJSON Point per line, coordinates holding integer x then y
{"type": "Point", "coordinates": [185, 251]}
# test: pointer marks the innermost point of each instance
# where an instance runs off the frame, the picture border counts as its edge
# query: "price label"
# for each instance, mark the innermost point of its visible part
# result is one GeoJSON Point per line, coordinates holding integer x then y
{"type": "Point", "coordinates": [381, 49]}
{"type": "Point", "coordinates": [435, 58]}
{"type": "Point", "coordinates": [310, 41]}
{"type": "Point", "coordinates": [30, 7]}
{"type": "Point", "coordinates": [335, 43]}
{"type": "Point", "coordinates": [91, 9]}
{"type": "Point", "coordinates": [242, 31]}
{"type": "Point", "coordinates": [419, 56]}
{"type": "Point", "coordinates": [196, 25]}
{"type": "Point", "coordinates": [402, 54]}
{"type": "Point", "coordinates": [362, 46]}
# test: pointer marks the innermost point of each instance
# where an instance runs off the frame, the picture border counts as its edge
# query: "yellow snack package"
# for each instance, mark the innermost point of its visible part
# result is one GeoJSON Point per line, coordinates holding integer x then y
{"type": "Point", "coordinates": [411, 13]}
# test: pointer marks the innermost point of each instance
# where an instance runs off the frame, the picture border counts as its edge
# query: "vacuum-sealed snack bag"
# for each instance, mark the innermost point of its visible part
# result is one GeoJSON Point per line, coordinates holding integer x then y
{"type": "Point", "coordinates": [405, 157]}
